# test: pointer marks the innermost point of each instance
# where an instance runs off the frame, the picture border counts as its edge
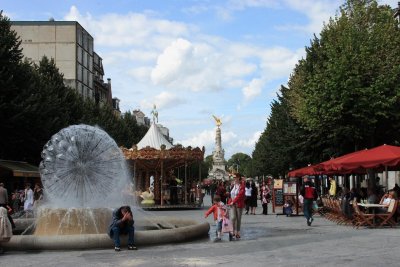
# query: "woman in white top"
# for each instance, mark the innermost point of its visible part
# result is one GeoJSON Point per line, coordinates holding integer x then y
{"type": "Point", "coordinates": [28, 204]}
{"type": "Point", "coordinates": [237, 204]}
{"type": "Point", "coordinates": [247, 193]}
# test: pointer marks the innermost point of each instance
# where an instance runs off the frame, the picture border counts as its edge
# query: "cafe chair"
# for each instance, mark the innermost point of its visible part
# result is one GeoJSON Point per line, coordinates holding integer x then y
{"type": "Point", "coordinates": [361, 218]}
{"type": "Point", "coordinates": [388, 218]}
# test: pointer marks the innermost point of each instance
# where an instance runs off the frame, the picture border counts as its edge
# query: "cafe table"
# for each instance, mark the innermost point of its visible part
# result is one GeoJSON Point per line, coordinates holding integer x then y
{"type": "Point", "coordinates": [373, 207]}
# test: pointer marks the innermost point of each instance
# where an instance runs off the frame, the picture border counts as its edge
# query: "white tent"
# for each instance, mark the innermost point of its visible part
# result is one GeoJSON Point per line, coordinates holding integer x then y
{"type": "Point", "coordinates": [154, 138]}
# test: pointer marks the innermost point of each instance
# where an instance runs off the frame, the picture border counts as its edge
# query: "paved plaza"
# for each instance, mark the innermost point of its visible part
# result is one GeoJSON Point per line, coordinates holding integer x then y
{"type": "Point", "coordinates": [266, 240]}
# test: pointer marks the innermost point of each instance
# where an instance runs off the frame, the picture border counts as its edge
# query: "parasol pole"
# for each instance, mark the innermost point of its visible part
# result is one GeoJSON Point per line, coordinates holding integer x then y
{"type": "Point", "coordinates": [386, 177]}
{"type": "Point", "coordinates": [186, 201]}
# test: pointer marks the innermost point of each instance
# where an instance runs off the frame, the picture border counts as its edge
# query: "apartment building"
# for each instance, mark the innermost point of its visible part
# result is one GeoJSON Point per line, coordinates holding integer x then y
{"type": "Point", "coordinates": [72, 49]}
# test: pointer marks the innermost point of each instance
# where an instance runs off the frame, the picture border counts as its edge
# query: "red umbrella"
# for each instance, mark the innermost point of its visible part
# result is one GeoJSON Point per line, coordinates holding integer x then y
{"type": "Point", "coordinates": [331, 166]}
{"type": "Point", "coordinates": [381, 156]}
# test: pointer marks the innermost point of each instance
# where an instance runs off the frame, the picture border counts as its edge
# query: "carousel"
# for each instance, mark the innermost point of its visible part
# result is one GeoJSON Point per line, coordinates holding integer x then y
{"type": "Point", "coordinates": [155, 162]}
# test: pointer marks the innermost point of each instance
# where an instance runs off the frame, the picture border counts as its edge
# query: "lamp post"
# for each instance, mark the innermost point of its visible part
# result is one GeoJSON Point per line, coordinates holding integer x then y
{"type": "Point", "coordinates": [237, 167]}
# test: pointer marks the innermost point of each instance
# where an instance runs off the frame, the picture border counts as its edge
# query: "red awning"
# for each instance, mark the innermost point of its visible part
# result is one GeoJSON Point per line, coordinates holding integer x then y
{"type": "Point", "coordinates": [377, 157]}
{"type": "Point", "coordinates": [309, 170]}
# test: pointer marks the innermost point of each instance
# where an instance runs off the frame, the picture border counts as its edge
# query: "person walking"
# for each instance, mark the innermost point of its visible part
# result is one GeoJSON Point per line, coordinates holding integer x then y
{"type": "Point", "coordinates": [219, 210]}
{"type": "Point", "coordinates": [37, 195]}
{"type": "Point", "coordinates": [265, 197]}
{"type": "Point", "coordinates": [221, 191]}
{"type": "Point", "coordinates": [247, 194]}
{"type": "Point", "coordinates": [309, 193]}
{"type": "Point", "coordinates": [28, 203]}
{"type": "Point", "coordinates": [237, 203]}
{"type": "Point", "coordinates": [213, 189]}
{"type": "Point", "coordinates": [122, 223]}
{"type": "Point", "coordinates": [253, 198]}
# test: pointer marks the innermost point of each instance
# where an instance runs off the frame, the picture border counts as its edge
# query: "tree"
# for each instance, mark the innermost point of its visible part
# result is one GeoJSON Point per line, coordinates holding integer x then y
{"type": "Point", "coordinates": [346, 89]}
{"type": "Point", "coordinates": [17, 80]}
{"type": "Point", "coordinates": [240, 162]}
{"type": "Point", "coordinates": [35, 104]}
{"type": "Point", "coordinates": [283, 144]}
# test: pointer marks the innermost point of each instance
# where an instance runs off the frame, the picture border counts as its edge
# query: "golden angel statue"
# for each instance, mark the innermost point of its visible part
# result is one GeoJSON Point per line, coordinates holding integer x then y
{"type": "Point", "coordinates": [218, 121]}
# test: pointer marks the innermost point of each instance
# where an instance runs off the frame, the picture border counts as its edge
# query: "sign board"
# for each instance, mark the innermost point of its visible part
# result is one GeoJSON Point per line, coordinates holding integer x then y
{"type": "Point", "coordinates": [291, 193]}
{"type": "Point", "coordinates": [278, 183]}
{"type": "Point", "coordinates": [278, 199]}
{"type": "Point", "coordinates": [290, 188]}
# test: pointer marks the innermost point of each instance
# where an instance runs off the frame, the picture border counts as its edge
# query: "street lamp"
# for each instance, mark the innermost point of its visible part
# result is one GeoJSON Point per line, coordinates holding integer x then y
{"type": "Point", "coordinates": [237, 167]}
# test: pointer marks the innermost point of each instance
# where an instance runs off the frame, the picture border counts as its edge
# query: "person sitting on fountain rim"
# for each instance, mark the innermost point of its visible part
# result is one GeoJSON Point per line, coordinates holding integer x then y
{"type": "Point", "coordinates": [122, 223]}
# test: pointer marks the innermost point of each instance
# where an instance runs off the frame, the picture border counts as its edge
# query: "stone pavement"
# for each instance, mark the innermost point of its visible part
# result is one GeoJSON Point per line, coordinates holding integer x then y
{"type": "Point", "coordinates": [266, 240]}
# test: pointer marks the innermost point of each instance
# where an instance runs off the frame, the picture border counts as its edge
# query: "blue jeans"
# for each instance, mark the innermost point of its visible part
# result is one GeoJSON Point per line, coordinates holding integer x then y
{"type": "Point", "coordinates": [307, 208]}
{"type": "Point", "coordinates": [117, 231]}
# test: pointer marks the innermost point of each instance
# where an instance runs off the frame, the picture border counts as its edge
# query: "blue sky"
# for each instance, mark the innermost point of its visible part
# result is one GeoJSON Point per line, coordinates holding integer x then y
{"type": "Point", "coordinates": [195, 58]}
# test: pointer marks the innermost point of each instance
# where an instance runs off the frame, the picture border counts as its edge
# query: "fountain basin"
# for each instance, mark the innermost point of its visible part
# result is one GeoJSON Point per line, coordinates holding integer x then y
{"type": "Point", "coordinates": [185, 230]}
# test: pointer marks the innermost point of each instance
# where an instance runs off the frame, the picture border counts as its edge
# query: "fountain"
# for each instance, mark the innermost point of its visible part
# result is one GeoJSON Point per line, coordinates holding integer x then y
{"type": "Point", "coordinates": [84, 175]}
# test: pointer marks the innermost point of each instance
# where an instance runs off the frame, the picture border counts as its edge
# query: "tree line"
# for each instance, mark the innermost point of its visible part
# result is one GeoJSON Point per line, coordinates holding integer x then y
{"type": "Point", "coordinates": [35, 104]}
{"type": "Point", "coordinates": [344, 95]}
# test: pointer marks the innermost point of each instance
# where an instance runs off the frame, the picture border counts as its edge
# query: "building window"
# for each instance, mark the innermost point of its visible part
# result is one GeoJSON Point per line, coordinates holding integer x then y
{"type": "Point", "coordinates": [85, 76]}
{"type": "Point", "coordinates": [85, 41]}
{"type": "Point", "coordinates": [79, 35]}
{"type": "Point", "coordinates": [90, 80]}
{"type": "Point", "coordinates": [79, 54]}
{"type": "Point", "coordinates": [85, 59]}
{"type": "Point", "coordinates": [90, 46]}
{"type": "Point", "coordinates": [79, 72]}
{"type": "Point", "coordinates": [90, 59]}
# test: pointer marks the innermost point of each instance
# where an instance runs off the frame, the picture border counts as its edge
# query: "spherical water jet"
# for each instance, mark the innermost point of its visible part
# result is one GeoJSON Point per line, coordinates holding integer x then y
{"type": "Point", "coordinates": [84, 175]}
{"type": "Point", "coordinates": [82, 166]}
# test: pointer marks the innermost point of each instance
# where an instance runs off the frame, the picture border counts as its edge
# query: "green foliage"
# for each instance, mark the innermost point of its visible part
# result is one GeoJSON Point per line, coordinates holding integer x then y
{"type": "Point", "coordinates": [348, 84]}
{"type": "Point", "coordinates": [241, 162]}
{"type": "Point", "coordinates": [343, 96]}
{"type": "Point", "coordinates": [35, 104]}
{"type": "Point", "coordinates": [283, 142]}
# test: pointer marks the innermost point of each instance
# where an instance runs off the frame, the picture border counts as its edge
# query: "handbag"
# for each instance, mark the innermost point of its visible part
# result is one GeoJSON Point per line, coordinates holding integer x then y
{"type": "Point", "coordinates": [227, 226]}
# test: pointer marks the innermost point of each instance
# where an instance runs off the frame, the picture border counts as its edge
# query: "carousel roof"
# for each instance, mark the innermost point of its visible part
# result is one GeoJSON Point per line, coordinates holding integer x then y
{"type": "Point", "coordinates": [154, 139]}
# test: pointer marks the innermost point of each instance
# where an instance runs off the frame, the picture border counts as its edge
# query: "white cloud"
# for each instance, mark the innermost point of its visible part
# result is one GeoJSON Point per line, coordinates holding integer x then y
{"type": "Point", "coordinates": [164, 100]}
{"type": "Point", "coordinates": [278, 62]}
{"type": "Point", "coordinates": [242, 4]}
{"type": "Point", "coordinates": [206, 138]}
{"type": "Point", "coordinates": [169, 55]}
{"type": "Point", "coordinates": [249, 143]}
{"type": "Point", "coordinates": [253, 89]}
{"type": "Point", "coordinates": [162, 62]}
{"type": "Point", "coordinates": [141, 74]}
{"type": "Point", "coordinates": [132, 29]}
{"type": "Point", "coordinates": [172, 62]}
{"type": "Point", "coordinates": [317, 12]}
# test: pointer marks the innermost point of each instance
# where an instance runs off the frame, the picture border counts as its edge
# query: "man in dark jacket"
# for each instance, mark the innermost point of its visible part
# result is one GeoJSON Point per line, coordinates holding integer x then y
{"type": "Point", "coordinates": [122, 223]}
{"type": "Point", "coordinates": [309, 193]}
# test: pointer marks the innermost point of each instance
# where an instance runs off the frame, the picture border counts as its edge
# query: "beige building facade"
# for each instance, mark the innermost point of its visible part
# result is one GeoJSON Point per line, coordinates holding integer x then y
{"type": "Point", "coordinates": [68, 43]}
